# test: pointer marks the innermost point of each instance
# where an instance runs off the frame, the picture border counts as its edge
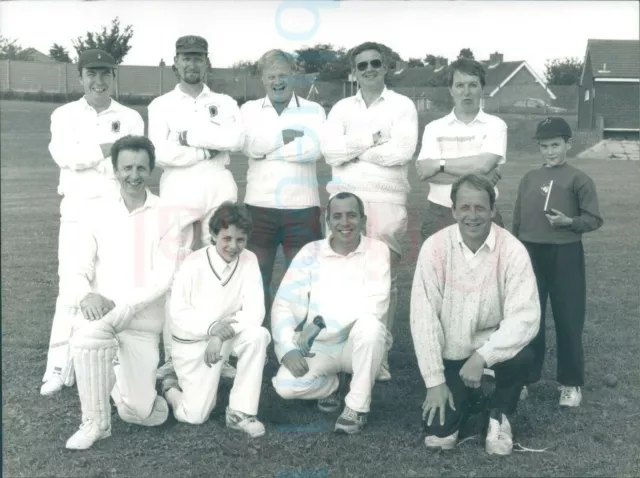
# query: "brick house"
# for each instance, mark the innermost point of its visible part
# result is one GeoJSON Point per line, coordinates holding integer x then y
{"type": "Point", "coordinates": [610, 87]}
{"type": "Point", "coordinates": [506, 81]}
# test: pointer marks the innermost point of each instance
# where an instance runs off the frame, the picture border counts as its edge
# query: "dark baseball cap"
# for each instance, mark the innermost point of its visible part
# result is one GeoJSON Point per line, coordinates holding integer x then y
{"type": "Point", "coordinates": [96, 59]}
{"type": "Point", "coordinates": [192, 44]}
{"type": "Point", "coordinates": [552, 127]}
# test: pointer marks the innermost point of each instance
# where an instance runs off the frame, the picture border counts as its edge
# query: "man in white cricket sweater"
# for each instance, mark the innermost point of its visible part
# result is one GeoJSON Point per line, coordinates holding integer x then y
{"type": "Point", "coordinates": [369, 141]}
{"type": "Point", "coordinates": [282, 142]}
{"type": "Point", "coordinates": [474, 304]}
{"type": "Point", "coordinates": [125, 257]}
{"type": "Point", "coordinates": [82, 133]}
{"type": "Point", "coordinates": [217, 307]}
{"type": "Point", "coordinates": [194, 130]}
{"type": "Point", "coordinates": [337, 292]}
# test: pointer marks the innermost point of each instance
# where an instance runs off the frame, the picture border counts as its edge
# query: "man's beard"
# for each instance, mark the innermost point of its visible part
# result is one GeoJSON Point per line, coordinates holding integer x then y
{"type": "Point", "coordinates": [192, 78]}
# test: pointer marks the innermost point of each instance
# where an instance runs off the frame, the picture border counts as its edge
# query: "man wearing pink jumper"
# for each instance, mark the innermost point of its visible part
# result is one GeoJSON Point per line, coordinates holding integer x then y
{"type": "Point", "coordinates": [369, 140]}
{"type": "Point", "coordinates": [474, 304]}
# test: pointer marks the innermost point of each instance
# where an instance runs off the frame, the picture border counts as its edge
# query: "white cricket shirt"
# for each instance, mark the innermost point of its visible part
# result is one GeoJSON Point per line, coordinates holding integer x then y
{"type": "Point", "coordinates": [342, 289]}
{"type": "Point", "coordinates": [449, 138]}
{"type": "Point", "coordinates": [128, 257]}
{"type": "Point", "coordinates": [375, 173]}
{"type": "Point", "coordinates": [77, 131]}
{"type": "Point", "coordinates": [212, 121]}
{"type": "Point", "coordinates": [282, 176]}
{"type": "Point", "coordinates": [208, 289]}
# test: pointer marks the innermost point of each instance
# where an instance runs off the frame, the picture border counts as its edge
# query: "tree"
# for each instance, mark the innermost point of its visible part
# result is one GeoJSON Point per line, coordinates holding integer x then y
{"type": "Point", "coordinates": [11, 50]}
{"type": "Point", "coordinates": [252, 66]}
{"type": "Point", "coordinates": [432, 59]}
{"type": "Point", "coordinates": [414, 63]}
{"type": "Point", "coordinates": [466, 53]}
{"type": "Point", "coordinates": [313, 59]}
{"type": "Point", "coordinates": [59, 53]}
{"type": "Point", "coordinates": [114, 40]}
{"type": "Point", "coordinates": [563, 71]}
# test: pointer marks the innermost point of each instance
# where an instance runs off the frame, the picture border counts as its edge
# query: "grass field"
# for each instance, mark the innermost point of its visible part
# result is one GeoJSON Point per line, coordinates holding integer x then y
{"type": "Point", "coordinates": [599, 439]}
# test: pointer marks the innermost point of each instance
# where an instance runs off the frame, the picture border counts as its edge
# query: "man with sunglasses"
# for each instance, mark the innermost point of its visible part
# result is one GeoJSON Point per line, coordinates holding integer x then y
{"type": "Point", "coordinates": [369, 141]}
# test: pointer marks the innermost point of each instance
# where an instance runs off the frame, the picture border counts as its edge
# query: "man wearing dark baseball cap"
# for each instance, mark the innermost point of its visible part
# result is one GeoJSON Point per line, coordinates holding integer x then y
{"type": "Point", "coordinates": [194, 129]}
{"type": "Point", "coordinates": [555, 206]}
{"type": "Point", "coordinates": [82, 133]}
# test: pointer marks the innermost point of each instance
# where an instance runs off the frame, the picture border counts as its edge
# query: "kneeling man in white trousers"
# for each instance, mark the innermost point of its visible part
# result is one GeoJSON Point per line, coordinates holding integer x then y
{"type": "Point", "coordinates": [217, 307]}
{"type": "Point", "coordinates": [337, 292]}
{"type": "Point", "coordinates": [126, 255]}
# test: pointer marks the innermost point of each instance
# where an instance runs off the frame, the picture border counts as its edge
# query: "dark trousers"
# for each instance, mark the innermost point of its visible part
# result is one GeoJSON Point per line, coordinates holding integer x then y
{"type": "Point", "coordinates": [560, 273]}
{"type": "Point", "coordinates": [437, 217]}
{"type": "Point", "coordinates": [291, 228]}
{"type": "Point", "coordinates": [510, 378]}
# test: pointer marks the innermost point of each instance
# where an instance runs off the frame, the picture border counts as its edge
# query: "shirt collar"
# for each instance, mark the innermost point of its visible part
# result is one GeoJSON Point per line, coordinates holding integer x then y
{"type": "Point", "coordinates": [490, 241]}
{"type": "Point", "coordinates": [218, 263]}
{"type": "Point", "coordinates": [149, 202]}
{"type": "Point", "coordinates": [205, 91]}
{"type": "Point", "coordinates": [85, 104]}
{"type": "Point", "coordinates": [383, 96]}
{"type": "Point", "coordinates": [481, 117]}
{"type": "Point", "coordinates": [327, 251]}
{"type": "Point", "coordinates": [294, 102]}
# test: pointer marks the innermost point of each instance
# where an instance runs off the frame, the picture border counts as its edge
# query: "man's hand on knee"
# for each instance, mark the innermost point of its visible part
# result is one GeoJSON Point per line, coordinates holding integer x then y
{"type": "Point", "coordinates": [436, 400]}
{"type": "Point", "coordinates": [213, 352]}
{"type": "Point", "coordinates": [472, 370]}
{"type": "Point", "coordinates": [223, 330]}
{"type": "Point", "coordinates": [95, 306]}
{"type": "Point", "coordinates": [295, 363]}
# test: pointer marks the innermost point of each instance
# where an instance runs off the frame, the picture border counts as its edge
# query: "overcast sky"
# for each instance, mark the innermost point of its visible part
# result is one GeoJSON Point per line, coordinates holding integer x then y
{"type": "Point", "coordinates": [243, 30]}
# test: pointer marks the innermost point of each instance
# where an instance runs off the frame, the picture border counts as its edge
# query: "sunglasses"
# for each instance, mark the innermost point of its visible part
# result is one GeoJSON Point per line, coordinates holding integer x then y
{"type": "Point", "coordinates": [364, 64]}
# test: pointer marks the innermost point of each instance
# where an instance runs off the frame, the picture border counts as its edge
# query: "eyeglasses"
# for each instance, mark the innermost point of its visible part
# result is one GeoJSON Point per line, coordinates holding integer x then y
{"type": "Point", "coordinates": [364, 64]}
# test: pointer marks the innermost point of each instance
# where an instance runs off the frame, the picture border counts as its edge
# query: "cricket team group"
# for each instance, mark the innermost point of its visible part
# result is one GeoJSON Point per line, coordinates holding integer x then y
{"type": "Point", "coordinates": [192, 267]}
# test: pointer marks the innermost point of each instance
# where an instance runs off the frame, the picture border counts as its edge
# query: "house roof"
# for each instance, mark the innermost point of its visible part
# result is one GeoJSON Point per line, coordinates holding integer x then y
{"type": "Point", "coordinates": [614, 58]}
{"type": "Point", "coordinates": [38, 56]}
{"type": "Point", "coordinates": [495, 76]}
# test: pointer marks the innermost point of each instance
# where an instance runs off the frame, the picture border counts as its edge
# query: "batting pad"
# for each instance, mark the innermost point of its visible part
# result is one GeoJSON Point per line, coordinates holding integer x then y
{"type": "Point", "coordinates": [93, 360]}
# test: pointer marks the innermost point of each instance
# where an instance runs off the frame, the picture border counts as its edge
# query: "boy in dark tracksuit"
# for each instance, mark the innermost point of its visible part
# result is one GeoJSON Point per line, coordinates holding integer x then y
{"type": "Point", "coordinates": [555, 205]}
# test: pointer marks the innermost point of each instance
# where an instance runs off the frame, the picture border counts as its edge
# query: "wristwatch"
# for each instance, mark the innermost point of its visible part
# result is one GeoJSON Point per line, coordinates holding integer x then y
{"type": "Point", "coordinates": [318, 321]}
{"type": "Point", "coordinates": [442, 165]}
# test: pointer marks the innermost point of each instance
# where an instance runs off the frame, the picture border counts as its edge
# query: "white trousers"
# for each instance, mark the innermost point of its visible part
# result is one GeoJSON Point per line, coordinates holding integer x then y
{"type": "Point", "coordinates": [388, 223]}
{"type": "Point", "coordinates": [195, 197]}
{"type": "Point", "coordinates": [58, 357]}
{"type": "Point", "coordinates": [117, 363]}
{"type": "Point", "coordinates": [199, 383]}
{"type": "Point", "coordinates": [360, 355]}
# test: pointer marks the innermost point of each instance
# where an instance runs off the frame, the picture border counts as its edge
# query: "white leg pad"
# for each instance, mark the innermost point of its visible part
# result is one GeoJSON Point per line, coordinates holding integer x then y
{"type": "Point", "coordinates": [93, 349]}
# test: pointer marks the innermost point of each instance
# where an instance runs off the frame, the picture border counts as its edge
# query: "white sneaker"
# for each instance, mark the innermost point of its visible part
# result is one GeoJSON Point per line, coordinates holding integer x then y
{"type": "Point", "coordinates": [165, 371]}
{"type": "Point", "coordinates": [384, 375]}
{"type": "Point", "coordinates": [524, 393]}
{"type": "Point", "coordinates": [245, 423]}
{"type": "Point", "coordinates": [434, 443]}
{"type": "Point", "coordinates": [570, 396]}
{"type": "Point", "coordinates": [228, 370]}
{"type": "Point", "coordinates": [499, 439]}
{"type": "Point", "coordinates": [87, 435]}
{"type": "Point", "coordinates": [52, 386]}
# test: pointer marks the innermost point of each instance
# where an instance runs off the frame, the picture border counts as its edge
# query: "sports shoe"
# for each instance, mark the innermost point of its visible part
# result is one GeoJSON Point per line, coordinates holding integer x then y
{"type": "Point", "coordinates": [435, 443]}
{"type": "Point", "coordinates": [570, 396]}
{"type": "Point", "coordinates": [524, 393]}
{"type": "Point", "coordinates": [52, 386]}
{"type": "Point", "coordinates": [165, 371]}
{"type": "Point", "coordinates": [228, 370]}
{"type": "Point", "coordinates": [170, 382]}
{"type": "Point", "coordinates": [245, 423]}
{"type": "Point", "coordinates": [384, 375]}
{"type": "Point", "coordinates": [350, 421]}
{"type": "Point", "coordinates": [330, 404]}
{"type": "Point", "coordinates": [499, 439]}
{"type": "Point", "coordinates": [87, 435]}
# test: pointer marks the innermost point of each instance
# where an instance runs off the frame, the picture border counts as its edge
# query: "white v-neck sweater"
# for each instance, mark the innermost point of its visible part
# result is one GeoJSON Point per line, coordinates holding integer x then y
{"type": "Point", "coordinates": [456, 310]}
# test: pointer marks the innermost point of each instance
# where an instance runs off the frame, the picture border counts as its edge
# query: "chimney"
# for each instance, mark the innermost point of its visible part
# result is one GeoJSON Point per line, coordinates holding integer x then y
{"type": "Point", "coordinates": [496, 58]}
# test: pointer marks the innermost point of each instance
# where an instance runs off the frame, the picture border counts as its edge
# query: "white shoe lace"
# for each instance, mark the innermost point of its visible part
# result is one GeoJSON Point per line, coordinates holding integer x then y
{"type": "Point", "coordinates": [349, 414]}
{"type": "Point", "coordinates": [567, 393]}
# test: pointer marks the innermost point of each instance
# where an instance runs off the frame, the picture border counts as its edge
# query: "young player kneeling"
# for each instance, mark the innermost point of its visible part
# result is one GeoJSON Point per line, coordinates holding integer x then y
{"type": "Point", "coordinates": [217, 306]}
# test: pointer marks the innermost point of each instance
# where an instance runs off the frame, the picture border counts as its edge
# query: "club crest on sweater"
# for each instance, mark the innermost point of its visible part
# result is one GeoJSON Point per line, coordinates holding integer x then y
{"type": "Point", "coordinates": [544, 189]}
